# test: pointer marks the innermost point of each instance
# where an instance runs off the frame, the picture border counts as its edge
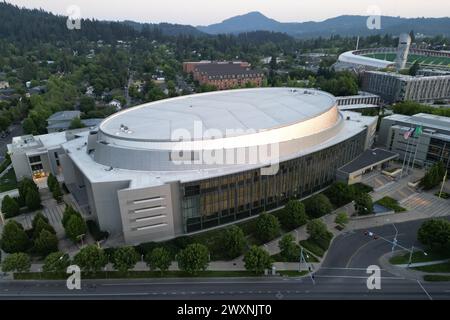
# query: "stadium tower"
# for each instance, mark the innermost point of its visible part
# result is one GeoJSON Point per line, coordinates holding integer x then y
{"type": "Point", "coordinates": [402, 51]}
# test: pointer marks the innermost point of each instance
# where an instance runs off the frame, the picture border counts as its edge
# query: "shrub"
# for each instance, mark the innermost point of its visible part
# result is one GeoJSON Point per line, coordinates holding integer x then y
{"type": "Point", "coordinates": [341, 218]}
{"type": "Point", "coordinates": [363, 204]}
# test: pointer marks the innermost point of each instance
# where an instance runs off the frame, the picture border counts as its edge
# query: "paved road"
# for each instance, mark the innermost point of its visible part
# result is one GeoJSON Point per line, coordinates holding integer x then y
{"type": "Point", "coordinates": [227, 289]}
{"type": "Point", "coordinates": [342, 276]}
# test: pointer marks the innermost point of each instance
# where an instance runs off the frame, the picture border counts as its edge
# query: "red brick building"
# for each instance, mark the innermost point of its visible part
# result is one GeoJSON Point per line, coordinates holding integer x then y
{"type": "Point", "coordinates": [224, 75]}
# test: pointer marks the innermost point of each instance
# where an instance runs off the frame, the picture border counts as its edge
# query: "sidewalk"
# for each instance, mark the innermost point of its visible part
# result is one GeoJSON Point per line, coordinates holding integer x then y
{"type": "Point", "coordinates": [400, 271]}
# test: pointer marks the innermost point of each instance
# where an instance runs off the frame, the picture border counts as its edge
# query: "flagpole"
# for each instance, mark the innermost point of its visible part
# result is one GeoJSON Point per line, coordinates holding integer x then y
{"type": "Point", "coordinates": [417, 146]}
{"type": "Point", "coordinates": [404, 158]}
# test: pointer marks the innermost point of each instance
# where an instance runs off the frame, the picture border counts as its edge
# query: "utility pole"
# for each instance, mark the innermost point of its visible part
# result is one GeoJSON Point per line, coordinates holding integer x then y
{"type": "Point", "coordinates": [445, 178]}
{"type": "Point", "coordinates": [303, 260]}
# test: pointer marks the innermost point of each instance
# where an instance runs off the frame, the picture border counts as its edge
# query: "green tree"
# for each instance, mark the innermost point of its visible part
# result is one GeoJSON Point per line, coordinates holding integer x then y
{"type": "Point", "coordinates": [46, 243]}
{"type": "Point", "coordinates": [340, 193]}
{"type": "Point", "coordinates": [76, 123]}
{"type": "Point", "coordinates": [125, 258]}
{"type": "Point", "coordinates": [69, 211]}
{"type": "Point", "coordinates": [56, 262]}
{"type": "Point", "coordinates": [159, 258]}
{"type": "Point", "coordinates": [25, 185]}
{"type": "Point", "coordinates": [317, 229]}
{"type": "Point", "coordinates": [75, 227]}
{"type": "Point", "coordinates": [267, 227]}
{"type": "Point", "coordinates": [87, 104]}
{"type": "Point", "coordinates": [363, 203]}
{"type": "Point", "coordinates": [39, 225]}
{"type": "Point", "coordinates": [57, 193]}
{"type": "Point", "coordinates": [194, 258]}
{"type": "Point", "coordinates": [233, 242]}
{"type": "Point", "coordinates": [435, 234]}
{"type": "Point", "coordinates": [257, 260]}
{"type": "Point", "coordinates": [14, 239]}
{"type": "Point", "coordinates": [16, 262]}
{"type": "Point", "coordinates": [293, 215]}
{"type": "Point", "coordinates": [33, 199]}
{"type": "Point", "coordinates": [414, 69]}
{"type": "Point", "coordinates": [10, 207]}
{"type": "Point", "coordinates": [38, 217]}
{"type": "Point", "coordinates": [29, 127]}
{"type": "Point", "coordinates": [288, 247]}
{"type": "Point", "coordinates": [318, 205]}
{"type": "Point", "coordinates": [434, 176]}
{"type": "Point", "coordinates": [91, 258]}
{"type": "Point", "coordinates": [51, 182]}
{"type": "Point", "coordinates": [341, 218]}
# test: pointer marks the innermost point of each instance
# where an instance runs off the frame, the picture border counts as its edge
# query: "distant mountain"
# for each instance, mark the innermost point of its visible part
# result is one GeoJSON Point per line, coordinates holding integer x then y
{"type": "Point", "coordinates": [346, 25]}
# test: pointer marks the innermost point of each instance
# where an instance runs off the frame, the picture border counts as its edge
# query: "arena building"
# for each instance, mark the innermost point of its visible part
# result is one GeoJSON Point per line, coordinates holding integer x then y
{"type": "Point", "coordinates": [181, 165]}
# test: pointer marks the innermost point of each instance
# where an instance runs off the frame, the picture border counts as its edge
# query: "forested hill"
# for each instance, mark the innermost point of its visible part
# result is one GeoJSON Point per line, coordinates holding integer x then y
{"type": "Point", "coordinates": [26, 26]}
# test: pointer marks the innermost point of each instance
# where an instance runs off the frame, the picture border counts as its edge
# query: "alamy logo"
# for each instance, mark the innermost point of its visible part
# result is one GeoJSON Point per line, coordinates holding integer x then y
{"type": "Point", "coordinates": [74, 17]}
{"type": "Point", "coordinates": [74, 280]}
{"type": "Point", "coordinates": [374, 19]}
{"type": "Point", "coordinates": [374, 280]}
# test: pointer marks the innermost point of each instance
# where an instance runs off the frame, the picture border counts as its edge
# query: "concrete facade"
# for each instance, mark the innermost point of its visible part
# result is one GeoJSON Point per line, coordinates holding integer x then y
{"type": "Point", "coordinates": [124, 175]}
{"type": "Point", "coordinates": [393, 87]}
{"type": "Point", "coordinates": [431, 146]}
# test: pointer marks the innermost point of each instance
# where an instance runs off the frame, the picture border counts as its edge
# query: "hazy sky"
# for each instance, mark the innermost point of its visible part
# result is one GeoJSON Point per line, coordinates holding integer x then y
{"type": "Point", "coordinates": [202, 12]}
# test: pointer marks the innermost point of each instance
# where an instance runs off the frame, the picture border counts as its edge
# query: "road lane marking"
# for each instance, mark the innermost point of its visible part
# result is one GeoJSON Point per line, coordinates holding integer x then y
{"type": "Point", "coordinates": [429, 297]}
{"type": "Point", "coordinates": [336, 268]}
{"type": "Point", "coordinates": [359, 277]}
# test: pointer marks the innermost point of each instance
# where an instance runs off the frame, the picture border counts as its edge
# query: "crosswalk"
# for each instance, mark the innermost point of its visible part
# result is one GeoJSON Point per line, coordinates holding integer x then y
{"type": "Point", "coordinates": [427, 203]}
{"type": "Point", "coordinates": [53, 213]}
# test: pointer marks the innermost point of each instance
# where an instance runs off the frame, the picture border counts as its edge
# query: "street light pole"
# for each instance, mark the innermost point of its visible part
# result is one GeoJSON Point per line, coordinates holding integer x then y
{"type": "Point", "coordinates": [395, 238]}
{"type": "Point", "coordinates": [410, 255]}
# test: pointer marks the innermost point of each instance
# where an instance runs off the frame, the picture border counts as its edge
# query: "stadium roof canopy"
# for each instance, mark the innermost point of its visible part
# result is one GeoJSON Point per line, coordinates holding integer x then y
{"type": "Point", "coordinates": [350, 57]}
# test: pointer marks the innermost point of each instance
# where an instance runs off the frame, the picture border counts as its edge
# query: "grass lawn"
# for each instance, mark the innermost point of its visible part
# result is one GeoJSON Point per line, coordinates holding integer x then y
{"type": "Point", "coordinates": [441, 267]}
{"type": "Point", "coordinates": [8, 181]}
{"type": "Point", "coordinates": [132, 275]}
{"type": "Point", "coordinates": [444, 195]}
{"type": "Point", "coordinates": [390, 203]}
{"type": "Point", "coordinates": [435, 277]}
{"type": "Point", "coordinates": [363, 187]}
{"type": "Point", "coordinates": [312, 247]}
{"type": "Point", "coordinates": [292, 273]}
{"type": "Point", "coordinates": [278, 258]}
{"type": "Point", "coordinates": [418, 256]}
